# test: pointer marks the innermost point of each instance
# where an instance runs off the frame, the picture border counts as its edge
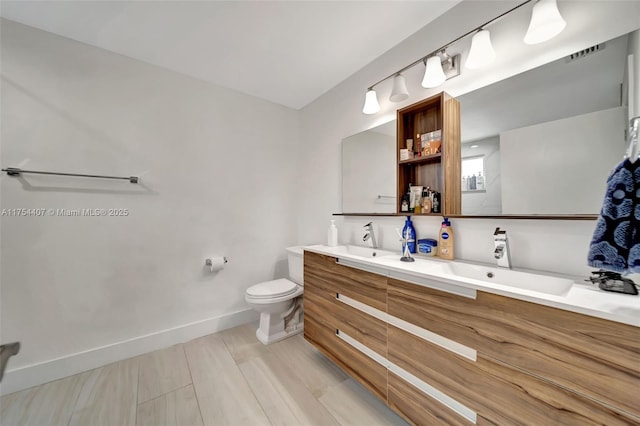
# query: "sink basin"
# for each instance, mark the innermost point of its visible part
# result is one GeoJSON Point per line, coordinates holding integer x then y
{"type": "Point", "coordinates": [362, 251]}
{"type": "Point", "coordinates": [506, 277]}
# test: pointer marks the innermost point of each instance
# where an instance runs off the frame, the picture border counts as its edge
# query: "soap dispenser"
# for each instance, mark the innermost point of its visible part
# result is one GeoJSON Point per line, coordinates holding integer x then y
{"type": "Point", "coordinates": [332, 235]}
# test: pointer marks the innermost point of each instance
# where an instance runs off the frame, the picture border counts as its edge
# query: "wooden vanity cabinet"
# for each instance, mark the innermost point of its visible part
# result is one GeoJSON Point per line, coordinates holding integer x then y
{"type": "Point", "coordinates": [440, 171]}
{"type": "Point", "coordinates": [521, 362]}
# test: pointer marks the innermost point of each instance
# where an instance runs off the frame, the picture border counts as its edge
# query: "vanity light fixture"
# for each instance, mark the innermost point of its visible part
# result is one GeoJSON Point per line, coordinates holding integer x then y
{"type": "Point", "coordinates": [371, 105]}
{"type": "Point", "coordinates": [441, 67]}
{"type": "Point", "coordinates": [481, 52]}
{"type": "Point", "coordinates": [399, 92]}
{"type": "Point", "coordinates": [546, 22]}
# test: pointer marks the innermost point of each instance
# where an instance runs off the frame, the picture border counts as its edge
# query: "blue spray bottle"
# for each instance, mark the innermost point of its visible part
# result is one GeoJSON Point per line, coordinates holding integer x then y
{"type": "Point", "coordinates": [410, 232]}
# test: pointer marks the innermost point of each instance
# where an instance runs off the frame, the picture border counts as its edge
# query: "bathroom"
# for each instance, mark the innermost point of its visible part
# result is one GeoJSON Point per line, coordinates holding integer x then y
{"type": "Point", "coordinates": [222, 173]}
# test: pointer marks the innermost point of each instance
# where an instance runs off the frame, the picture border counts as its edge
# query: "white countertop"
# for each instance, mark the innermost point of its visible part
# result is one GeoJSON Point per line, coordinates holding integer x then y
{"type": "Point", "coordinates": [584, 298]}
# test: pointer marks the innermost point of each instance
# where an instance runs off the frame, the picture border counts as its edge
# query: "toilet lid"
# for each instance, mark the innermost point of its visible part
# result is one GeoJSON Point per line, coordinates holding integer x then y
{"type": "Point", "coordinates": [275, 288]}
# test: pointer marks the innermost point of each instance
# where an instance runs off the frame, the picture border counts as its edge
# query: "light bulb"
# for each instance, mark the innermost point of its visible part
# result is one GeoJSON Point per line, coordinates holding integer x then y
{"type": "Point", "coordinates": [481, 52]}
{"type": "Point", "coordinates": [433, 74]}
{"type": "Point", "coordinates": [399, 92]}
{"type": "Point", "coordinates": [546, 22]}
{"type": "Point", "coordinates": [371, 105]}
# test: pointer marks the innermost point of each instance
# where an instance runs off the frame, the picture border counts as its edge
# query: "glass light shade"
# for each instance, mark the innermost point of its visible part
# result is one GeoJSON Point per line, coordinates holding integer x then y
{"type": "Point", "coordinates": [371, 105]}
{"type": "Point", "coordinates": [546, 22]}
{"type": "Point", "coordinates": [433, 75]}
{"type": "Point", "coordinates": [481, 52]}
{"type": "Point", "coordinates": [399, 92]}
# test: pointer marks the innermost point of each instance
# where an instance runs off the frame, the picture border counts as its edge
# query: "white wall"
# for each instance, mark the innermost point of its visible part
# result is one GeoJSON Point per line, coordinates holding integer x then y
{"type": "Point", "coordinates": [218, 176]}
{"type": "Point", "coordinates": [533, 155]}
{"type": "Point", "coordinates": [548, 245]}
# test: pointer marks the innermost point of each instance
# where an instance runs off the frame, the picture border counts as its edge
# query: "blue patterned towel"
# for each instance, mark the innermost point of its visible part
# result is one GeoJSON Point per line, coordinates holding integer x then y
{"type": "Point", "coordinates": [616, 240]}
{"type": "Point", "coordinates": [634, 251]}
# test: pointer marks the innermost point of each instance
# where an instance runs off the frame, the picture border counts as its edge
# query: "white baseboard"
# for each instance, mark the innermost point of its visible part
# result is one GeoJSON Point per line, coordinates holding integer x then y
{"type": "Point", "coordinates": [44, 372]}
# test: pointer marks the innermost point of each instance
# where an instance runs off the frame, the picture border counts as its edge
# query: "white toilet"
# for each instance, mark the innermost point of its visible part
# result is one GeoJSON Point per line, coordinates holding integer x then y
{"type": "Point", "coordinates": [279, 302]}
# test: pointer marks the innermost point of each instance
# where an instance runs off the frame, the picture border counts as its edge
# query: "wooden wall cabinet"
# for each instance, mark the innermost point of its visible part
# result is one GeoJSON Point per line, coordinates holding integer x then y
{"type": "Point", "coordinates": [439, 171]}
{"type": "Point", "coordinates": [524, 363]}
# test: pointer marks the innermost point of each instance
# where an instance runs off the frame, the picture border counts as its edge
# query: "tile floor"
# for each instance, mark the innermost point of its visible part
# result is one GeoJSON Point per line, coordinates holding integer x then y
{"type": "Point", "coordinates": [228, 378]}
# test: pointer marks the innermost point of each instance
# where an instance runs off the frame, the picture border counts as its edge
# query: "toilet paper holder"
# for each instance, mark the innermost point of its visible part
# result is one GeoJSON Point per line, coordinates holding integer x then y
{"type": "Point", "coordinates": [209, 262]}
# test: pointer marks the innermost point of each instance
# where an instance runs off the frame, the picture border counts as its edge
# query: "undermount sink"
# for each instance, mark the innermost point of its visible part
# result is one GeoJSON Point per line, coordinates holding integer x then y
{"type": "Point", "coordinates": [362, 251]}
{"type": "Point", "coordinates": [507, 277]}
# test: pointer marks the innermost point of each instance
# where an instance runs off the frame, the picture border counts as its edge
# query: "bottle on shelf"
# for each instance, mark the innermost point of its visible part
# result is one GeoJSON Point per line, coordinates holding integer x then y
{"type": "Point", "coordinates": [480, 182]}
{"type": "Point", "coordinates": [417, 209]}
{"type": "Point", "coordinates": [464, 183]}
{"type": "Point", "coordinates": [410, 144]}
{"type": "Point", "coordinates": [435, 203]}
{"type": "Point", "coordinates": [472, 185]}
{"type": "Point", "coordinates": [426, 200]}
{"type": "Point", "coordinates": [404, 205]}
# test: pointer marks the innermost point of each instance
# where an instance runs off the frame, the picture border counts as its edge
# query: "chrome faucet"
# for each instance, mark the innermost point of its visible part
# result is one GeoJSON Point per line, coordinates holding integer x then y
{"type": "Point", "coordinates": [370, 235]}
{"type": "Point", "coordinates": [501, 248]}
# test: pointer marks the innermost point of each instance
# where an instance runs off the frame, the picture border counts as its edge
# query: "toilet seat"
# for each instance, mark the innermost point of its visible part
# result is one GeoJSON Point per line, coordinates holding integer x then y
{"type": "Point", "coordinates": [269, 291]}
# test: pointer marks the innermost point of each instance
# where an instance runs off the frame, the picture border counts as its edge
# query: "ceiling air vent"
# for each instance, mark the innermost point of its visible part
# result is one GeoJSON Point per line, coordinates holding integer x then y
{"type": "Point", "coordinates": [585, 52]}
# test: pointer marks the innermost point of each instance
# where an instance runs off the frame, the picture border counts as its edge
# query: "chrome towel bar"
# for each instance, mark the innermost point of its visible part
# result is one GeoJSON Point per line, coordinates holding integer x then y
{"type": "Point", "coordinates": [13, 171]}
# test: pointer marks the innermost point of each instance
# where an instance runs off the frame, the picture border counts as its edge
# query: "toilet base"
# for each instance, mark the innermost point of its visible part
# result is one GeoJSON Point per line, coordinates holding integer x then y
{"type": "Point", "coordinates": [267, 339]}
{"type": "Point", "coordinates": [275, 327]}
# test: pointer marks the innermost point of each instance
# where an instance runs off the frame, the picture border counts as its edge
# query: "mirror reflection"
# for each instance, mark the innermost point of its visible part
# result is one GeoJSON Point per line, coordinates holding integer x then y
{"type": "Point", "coordinates": [539, 143]}
{"type": "Point", "coordinates": [369, 171]}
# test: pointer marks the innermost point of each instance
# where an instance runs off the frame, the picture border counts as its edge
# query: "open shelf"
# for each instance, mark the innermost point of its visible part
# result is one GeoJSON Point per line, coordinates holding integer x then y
{"type": "Point", "coordinates": [440, 172]}
{"type": "Point", "coordinates": [422, 159]}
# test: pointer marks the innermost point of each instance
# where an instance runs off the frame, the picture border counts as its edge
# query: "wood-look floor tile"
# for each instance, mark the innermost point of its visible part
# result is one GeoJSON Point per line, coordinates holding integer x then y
{"type": "Point", "coordinates": [282, 395]}
{"type": "Point", "coordinates": [223, 395]}
{"type": "Point", "coordinates": [242, 342]}
{"type": "Point", "coordinates": [161, 372]}
{"type": "Point", "coordinates": [109, 396]}
{"type": "Point", "coordinates": [49, 404]}
{"type": "Point", "coordinates": [352, 404]}
{"type": "Point", "coordinates": [315, 370]}
{"type": "Point", "coordinates": [177, 408]}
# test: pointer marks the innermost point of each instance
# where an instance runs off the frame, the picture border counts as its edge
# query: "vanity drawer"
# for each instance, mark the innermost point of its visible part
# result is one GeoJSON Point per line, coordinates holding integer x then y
{"type": "Point", "coordinates": [446, 314]}
{"type": "Point", "coordinates": [418, 408]}
{"type": "Point", "coordinates": [324, 274]}
{"type": "Point", "coordinates": [496, 392]}
{"type": "Point", "coordinates": [597, 358]}
{"type": "Point", "coordinates": [333, 314]}
{"type": "Point", "coordinates": [361, 367]}
{"type": "Point", "coordinates": [593, 356]}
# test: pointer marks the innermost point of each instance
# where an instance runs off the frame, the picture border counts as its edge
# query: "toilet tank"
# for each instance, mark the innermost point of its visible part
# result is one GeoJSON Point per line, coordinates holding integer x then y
{"type": "Point", "coordinates": [296, 264]}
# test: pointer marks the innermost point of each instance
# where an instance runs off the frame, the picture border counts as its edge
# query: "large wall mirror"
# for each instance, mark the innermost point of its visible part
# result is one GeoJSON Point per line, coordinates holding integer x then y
{"type": "Point", "coordinates": [544, 142]}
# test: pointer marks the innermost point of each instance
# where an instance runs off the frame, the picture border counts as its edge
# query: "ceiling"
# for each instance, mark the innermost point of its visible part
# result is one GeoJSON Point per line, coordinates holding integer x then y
{"type": "Point", "coordinates": [287, 52]}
